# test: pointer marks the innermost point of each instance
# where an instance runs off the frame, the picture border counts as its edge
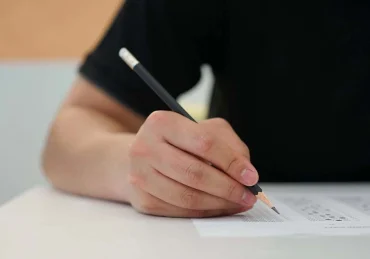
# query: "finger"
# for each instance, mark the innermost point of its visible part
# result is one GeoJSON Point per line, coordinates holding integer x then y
{"type": "Point", "coordinates": [190, 171]}
{"type": "Point", "coordinates": [193, 138]}
{"type": "Point", "coordinates": [157, 207]}
{"type": "Point", "coordinates": [178, 194]}
{"type": "Point", "coordinates": [229, 136]}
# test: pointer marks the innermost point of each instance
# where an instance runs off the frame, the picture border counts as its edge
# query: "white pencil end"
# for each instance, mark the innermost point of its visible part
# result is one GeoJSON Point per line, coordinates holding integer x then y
{"type": "Point", "coordinates": [129, 59]}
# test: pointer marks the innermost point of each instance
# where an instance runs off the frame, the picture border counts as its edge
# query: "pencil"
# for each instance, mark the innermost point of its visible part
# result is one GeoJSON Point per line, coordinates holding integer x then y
{"type": "Point", "coordinates": [143, 73]}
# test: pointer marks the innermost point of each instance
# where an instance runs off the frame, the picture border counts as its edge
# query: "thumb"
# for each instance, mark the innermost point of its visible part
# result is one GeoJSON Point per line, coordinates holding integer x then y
{"type": "Point", "coordinates": [222, 128]}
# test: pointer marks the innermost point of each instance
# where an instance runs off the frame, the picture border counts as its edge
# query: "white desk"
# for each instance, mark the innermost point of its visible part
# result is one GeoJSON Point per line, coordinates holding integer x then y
{"type": "Point", "coordinates": [45, 224]}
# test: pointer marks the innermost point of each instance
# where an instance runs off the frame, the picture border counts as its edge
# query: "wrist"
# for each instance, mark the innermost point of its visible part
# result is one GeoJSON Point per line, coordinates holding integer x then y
{"type": "Point", "coordinates": [116, 165]}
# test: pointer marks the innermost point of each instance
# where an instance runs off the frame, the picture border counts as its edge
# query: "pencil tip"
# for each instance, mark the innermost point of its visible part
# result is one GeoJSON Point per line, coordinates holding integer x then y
{"type": "Point", "coordinates": [274, 209]}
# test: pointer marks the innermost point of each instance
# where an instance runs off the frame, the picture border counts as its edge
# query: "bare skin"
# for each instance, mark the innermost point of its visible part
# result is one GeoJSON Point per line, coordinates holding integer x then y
{"type": "Point", "coordinates": [160, 165]}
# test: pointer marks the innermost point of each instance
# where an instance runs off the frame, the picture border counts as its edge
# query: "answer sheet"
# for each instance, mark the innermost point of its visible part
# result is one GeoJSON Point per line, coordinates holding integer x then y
{"type": "Point", "coordinates": [300, 214]}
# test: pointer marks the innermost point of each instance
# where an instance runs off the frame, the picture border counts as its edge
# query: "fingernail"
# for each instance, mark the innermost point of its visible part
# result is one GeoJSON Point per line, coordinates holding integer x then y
{"type": "Point", "coordinates": [249, 176]}
{"type": "Point", "coordinates": [248, 199]}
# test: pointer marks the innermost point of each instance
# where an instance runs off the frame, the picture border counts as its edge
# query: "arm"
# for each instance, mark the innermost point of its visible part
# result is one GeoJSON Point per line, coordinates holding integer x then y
{"type": "Point", "coordinates": [86, 150]}
{"type": "Point", "coordinates": [99, 148]}
{"type": "Point", "coordinates": [92, 150]}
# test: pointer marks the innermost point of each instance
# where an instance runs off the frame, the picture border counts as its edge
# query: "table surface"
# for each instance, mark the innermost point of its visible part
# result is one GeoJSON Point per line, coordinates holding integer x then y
{"type": "Point", "coordinates": [43, 223]}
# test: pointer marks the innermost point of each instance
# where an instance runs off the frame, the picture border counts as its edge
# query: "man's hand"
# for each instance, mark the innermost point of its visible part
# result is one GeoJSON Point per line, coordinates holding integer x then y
{"type": "Point", "coordinates": [170, 174]}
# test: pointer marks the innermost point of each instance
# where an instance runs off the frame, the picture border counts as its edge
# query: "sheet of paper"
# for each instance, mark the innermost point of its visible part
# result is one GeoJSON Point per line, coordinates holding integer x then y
{"type": "Point", "coordinates": [301, 214]}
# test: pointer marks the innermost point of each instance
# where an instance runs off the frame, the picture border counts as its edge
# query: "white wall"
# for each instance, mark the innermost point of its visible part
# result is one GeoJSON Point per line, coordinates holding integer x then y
{"type": "Point", "coordinates": [30, 93]}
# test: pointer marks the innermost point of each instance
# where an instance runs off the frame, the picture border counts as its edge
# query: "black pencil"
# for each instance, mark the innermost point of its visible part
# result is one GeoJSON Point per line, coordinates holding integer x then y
{"type": "Point", "coordinates": [136, 66]}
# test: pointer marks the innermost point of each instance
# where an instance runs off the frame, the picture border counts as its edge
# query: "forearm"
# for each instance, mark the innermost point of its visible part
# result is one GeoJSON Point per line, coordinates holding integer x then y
{"type": "Point", "coordinates": [86, 154]}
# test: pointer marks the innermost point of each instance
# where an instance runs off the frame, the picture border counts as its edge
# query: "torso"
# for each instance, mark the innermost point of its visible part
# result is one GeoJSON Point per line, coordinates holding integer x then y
{"type": "Point", "coordinates": [296, 88]}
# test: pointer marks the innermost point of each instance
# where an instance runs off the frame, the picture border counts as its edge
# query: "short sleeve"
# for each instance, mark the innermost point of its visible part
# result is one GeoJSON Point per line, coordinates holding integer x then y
{"type": "Point", "coordinates": [168, 37]}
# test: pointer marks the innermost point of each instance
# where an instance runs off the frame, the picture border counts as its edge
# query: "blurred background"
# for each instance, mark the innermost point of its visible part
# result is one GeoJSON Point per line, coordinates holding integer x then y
{"type": "Point", "coordinates": [41, 44]}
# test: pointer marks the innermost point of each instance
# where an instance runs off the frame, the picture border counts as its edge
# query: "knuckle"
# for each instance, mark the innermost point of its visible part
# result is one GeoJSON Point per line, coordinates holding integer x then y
{"type": "Point", "coordinates": [157, 118]}
{"type": "Point", "coordinates": [231, 190]}
{"type": "Point", "coordinates": [221, 122]}
{"type": "Point", "coordinates": [247, 151]}
{"type": "Point", "coordinates": [135, 179]}
{"type": "Point", "coordinates": [138, 149]}
{"type": "Point", "coordinates": [189, 199]}
{"type": "Point", "coordinates": [194, 173]}
{"type": "Point", "coordinates": [233, 163]}
{"type": "Point", "coordinates": [204, 143]}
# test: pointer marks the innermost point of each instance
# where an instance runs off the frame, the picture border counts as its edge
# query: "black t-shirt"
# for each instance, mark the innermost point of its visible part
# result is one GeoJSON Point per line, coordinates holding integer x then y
{"type": "Point", "coordinates": [292, 78]}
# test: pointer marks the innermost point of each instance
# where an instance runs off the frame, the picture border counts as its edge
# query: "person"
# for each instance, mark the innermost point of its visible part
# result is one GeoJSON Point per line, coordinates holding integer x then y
{"type": "Point", "coordinates": [290, 103]}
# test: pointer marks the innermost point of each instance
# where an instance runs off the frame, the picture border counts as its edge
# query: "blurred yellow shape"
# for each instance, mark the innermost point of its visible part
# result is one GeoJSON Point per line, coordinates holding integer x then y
{"type": "Point", "coordinates": [197, 111]}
